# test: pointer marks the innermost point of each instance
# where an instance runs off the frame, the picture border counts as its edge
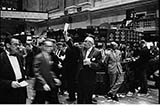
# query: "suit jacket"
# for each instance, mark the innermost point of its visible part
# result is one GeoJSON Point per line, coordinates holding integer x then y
{"type": "Point", "coordinates": [43, 72]}
{"type": "Point", "coordinates": [95, 56]}
{"type": "Point", "coordinates": [7, 76]}
{"type": "Point", "coordinates": [88, 73]}
{"type": "Point", "coordinates": [112, 61]}
{"type": "Point", "coordinates": [55, 67]}
{"type": "Point", "coordinates": [72, 61]}
{"type": "Point", "coordinates": [61, 53]}
{"type": "Point", "coordinates": [144, 56]}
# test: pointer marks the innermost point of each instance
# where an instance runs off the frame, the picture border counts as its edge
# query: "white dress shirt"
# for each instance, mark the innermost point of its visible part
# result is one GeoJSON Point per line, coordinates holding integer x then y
{"type": "Point", "coordinates": [58, 53]}
{"type": "Point", "coordinates": [15, 65]}
{"type": "Point", "coordinates": [88, 52]}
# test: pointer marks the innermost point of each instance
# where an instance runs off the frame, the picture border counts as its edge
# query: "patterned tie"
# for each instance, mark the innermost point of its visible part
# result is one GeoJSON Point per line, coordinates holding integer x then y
{"type": "Point", "coordinates": [57, 53]}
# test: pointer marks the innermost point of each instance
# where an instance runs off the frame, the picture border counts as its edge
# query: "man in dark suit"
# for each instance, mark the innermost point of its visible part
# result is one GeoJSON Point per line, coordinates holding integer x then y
{"type": "Point", "coordinates": [12, 89]}
{"type": "Point", "coordinates": [46, 80]}
{"type": "Point", "coordinates": [143, 63]}
{"type": "Point", "coordinates": [60, 50]}
{"type": "Point", "coordinates": [89, 63]}
{"type": "Point", "coordinates": [1, 47]}
{"type": "Point", "coordinates": [60, 56]}
{"type": "Point", "coordinates": [71, 67]}
{"type": "Point", "coordinates": [60, 72]}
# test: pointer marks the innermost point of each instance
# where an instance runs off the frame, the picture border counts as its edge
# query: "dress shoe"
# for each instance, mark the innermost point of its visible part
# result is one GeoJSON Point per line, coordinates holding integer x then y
{"type": "Point", "coordinates": [94, 103]}
{"type": "Point", "coordinates": [94, 100]}
{"type": "Point", "coordinates": [115, 98]}
{"type": "Point", "coordinates": [70, 100]}
{"type": "Point", "coordinates": [108, 95]}
{"type": "Point", "coordinates": [129, 94]}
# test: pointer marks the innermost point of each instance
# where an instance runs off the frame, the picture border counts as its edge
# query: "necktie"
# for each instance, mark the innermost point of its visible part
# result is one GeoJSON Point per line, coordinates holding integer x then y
{"type": "Point", "coordinates": [11, 54]}
{"type": "Point", "coordinates": [85, 53]}
{"type": "Point", "coordinates": [58, 52]}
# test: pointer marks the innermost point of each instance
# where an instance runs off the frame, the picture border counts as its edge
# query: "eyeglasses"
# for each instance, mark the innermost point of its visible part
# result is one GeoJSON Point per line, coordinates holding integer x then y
{"type": "Point", "coordinates": [16, 44]}
{"type": "Point", "coordinates": [86, 41]}
{"type": "Point", "coordinates": [48, 46]}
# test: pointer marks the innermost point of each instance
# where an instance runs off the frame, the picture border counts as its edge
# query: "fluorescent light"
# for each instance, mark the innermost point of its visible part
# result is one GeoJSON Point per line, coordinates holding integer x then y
{"type": "Point", "coordinates": [3, 8]}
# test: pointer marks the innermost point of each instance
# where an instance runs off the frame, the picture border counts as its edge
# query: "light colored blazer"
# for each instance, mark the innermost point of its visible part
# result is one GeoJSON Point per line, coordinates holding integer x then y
{"type": "Point", "coordinates": [112, 61]}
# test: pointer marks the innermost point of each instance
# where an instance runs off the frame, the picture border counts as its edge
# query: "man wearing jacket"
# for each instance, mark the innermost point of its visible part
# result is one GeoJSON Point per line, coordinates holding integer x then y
{"type": "Point", "coordinates": [89, 63]}
{"type": "Point", "coordinates": [12, 76]}
{"type": "Point", "coordinates": [114, 69]}
{"type": "Point", "coordinates": [46, 80]}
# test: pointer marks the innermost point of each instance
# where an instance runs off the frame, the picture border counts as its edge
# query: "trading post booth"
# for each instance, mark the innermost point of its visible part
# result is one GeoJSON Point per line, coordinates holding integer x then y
{"type": "Point", "coordinates": [102, 36]}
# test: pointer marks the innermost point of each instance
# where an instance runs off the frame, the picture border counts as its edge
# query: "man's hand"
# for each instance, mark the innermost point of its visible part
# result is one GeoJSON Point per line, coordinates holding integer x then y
{"type": "Point", "coordinates": [46, 87]}
{"type": "Point", "coordinates": [62, 57]}
{"type": "Point", "coordinates": [60, 65]}
{"type": "Point", "coordinates": [87, 61]}
{"type": "Point", "coordinates": [66, 27]}
{"type": "Point", "coordinates": [58, 82]}
{"type": "Point", "coordinates": [65, 32]}
{"type": "Point", "coordinates": [15, 84]}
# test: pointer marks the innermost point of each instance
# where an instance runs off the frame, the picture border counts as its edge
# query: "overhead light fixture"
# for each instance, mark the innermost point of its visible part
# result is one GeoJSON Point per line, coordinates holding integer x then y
{"type": "Point", "coordinates": [9, 8]}
{"type": "Point", "coordinates": [3, 8]}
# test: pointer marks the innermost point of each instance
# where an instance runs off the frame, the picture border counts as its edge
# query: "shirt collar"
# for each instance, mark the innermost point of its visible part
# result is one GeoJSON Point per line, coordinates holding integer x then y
{"type": "Point", "coordinates": [7, 52]}
{"type": "Point", "coordinates": [89, 49]}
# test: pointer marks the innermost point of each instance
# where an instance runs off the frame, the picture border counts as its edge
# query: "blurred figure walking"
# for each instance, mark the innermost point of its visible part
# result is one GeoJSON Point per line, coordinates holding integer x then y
{"type": "Point", "coordinates": [46, 80]}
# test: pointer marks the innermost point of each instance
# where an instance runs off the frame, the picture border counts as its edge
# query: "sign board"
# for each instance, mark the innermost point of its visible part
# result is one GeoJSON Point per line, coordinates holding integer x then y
{"type": "Point", "coordinates": [23, 15]}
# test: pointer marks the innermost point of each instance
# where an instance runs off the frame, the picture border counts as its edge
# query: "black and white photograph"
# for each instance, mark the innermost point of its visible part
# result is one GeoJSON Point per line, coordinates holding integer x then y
{"type": "Point", "coordinates": [79, 52]}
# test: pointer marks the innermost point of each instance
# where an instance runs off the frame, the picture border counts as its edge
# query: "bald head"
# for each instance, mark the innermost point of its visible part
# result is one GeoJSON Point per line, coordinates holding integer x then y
{"type": "Point", "coordinates": [114, 45]}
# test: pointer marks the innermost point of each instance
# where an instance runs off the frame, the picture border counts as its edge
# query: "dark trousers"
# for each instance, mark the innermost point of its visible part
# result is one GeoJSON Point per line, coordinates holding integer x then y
{"type": "Point", "coordinates": [70, 76]}
{"type": "Point", "coordinates": [14, 96]}
{"type": "Point", "coordinates": [42, 97]}
{"type": "Point", "coordinates": [16, 100]}
{"type": "Point", "coordinates": [71, 88]}
{"type": "Point", "coordinates": [142, 77]}
{"type": "Point", "coordinates": [131, 77]}
{"type": "Point", "coordinates": [84, 94]}
{"type": "Point", "coordinates": [63, 87]}
{"type": "Point", "coordinates": [143, 81]}
{"type": "Point", "coordinates": [86, 86]}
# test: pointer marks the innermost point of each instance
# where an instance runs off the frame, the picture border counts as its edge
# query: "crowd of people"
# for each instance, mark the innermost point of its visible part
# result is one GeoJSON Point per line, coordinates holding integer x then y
{"type": "Point", "coordinates": [58, 67]}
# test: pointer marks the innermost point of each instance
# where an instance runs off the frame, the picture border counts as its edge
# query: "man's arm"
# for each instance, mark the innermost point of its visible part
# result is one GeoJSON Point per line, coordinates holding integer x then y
{"type": "Point", "coordinates": [65, 32]}
{"type": "Point", "coordinates": [66, 37]}
{"type": "Point", "coordinates": [106, 60]}
{"type": "Point", "coordinates": [97, 63]}
{"type": "Point", "coordinates": [36, 68]}
{"type": "Point", "coordinates": [4, 84]}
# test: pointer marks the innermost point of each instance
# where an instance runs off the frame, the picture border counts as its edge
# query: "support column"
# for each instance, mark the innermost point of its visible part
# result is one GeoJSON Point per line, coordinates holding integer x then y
{"type": "Point", "coordinates": [89, 20]}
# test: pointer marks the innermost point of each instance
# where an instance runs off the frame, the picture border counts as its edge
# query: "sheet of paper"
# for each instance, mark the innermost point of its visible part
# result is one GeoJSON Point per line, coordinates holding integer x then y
{"type": "Point", "coordinates": [23, 83]}
{"type": "Point", "coordinates": [66, 27]}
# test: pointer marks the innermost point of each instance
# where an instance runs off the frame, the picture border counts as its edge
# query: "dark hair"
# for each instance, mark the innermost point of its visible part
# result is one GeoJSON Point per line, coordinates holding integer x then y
{"type": "Point", "coordinates": [7, 40]}
{"type": "Point", "coordinates": [50, 40]}
{"type": "Point", "coordinates": [59, 43]}
{"type": "Point", "coordinates": [91, 35]}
